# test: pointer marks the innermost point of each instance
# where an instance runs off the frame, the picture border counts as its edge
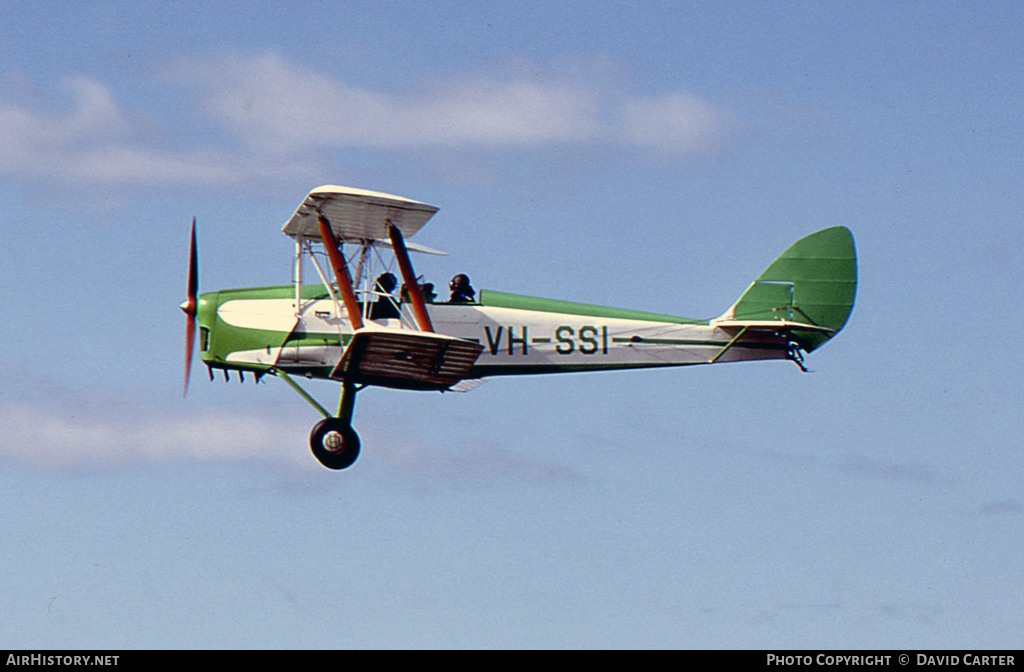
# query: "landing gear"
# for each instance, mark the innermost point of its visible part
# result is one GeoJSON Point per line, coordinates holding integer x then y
{"type": "Point", "coordinates": [334, 443]}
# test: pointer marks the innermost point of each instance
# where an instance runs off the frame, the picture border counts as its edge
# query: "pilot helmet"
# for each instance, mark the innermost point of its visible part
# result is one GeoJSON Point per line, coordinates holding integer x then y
{"type": "Point", "coordinates": [386, 282]}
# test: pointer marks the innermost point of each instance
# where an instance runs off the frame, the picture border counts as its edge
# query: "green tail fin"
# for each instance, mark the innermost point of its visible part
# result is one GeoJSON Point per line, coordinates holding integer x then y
{"type": "Point", "coordinates": [813, 282]}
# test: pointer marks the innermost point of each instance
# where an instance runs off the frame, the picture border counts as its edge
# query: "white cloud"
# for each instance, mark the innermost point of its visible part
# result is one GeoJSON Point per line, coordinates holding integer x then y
{"type": "Point", "coordinates": [72, 433]}
{"type": "Point", "coordinates": [96, 143]}
{"type": "Point", "coordinates": [40, 436]}
{"type": "Point", "coordinates": [674, 123]}
{"type": "Point", "coordinates": [281, 107]}
{"type": "Point", "coordinates": [272, 119]}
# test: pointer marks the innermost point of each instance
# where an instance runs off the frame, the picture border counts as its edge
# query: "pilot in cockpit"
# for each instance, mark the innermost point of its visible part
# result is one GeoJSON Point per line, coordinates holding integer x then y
{"type": "Point", "coordinates": [384, 306]}
{"type": "Point", "coordinates": [462, 291]}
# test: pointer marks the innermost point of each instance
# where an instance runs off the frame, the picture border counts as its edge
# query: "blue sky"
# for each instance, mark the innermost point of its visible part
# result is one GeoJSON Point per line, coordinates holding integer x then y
{"type": "Point", "coordinates": [638, 154]}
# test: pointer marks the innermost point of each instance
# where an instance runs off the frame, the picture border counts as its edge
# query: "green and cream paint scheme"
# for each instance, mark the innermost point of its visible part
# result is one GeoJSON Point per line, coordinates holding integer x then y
{"type": "Point", "coordinates": [331, 329]}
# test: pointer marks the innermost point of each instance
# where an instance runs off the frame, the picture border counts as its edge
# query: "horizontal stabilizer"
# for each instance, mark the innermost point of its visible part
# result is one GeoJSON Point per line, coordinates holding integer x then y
{"type": "Point", "coordinates": [404, 359]}
{"type": "Point", "coordinates": [769, 325]}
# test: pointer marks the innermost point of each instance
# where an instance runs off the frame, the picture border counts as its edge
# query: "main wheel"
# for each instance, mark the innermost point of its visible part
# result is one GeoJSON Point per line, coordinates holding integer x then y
{"type": "Point", "coordinates": [334, 443]}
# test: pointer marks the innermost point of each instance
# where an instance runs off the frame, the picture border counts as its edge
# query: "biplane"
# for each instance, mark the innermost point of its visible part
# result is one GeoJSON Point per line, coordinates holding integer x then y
{"type": "Point", "coordinates": [348, 326]}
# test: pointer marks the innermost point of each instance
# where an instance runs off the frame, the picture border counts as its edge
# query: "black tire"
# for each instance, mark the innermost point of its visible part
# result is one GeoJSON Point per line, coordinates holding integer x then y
{"type": "Point", "coordinates": [334, 443]}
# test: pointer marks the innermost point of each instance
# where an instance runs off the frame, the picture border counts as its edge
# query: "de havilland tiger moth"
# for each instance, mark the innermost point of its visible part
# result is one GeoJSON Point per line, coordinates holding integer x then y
{"type": "Point", "coordinates": [347, 325]}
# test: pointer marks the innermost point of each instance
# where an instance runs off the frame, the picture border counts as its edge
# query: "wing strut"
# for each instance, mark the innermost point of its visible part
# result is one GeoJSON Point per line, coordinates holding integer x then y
{"type": "Point", "coordinates": [337, 260]}
{"type": "Point", "coordinates": [419, 308]}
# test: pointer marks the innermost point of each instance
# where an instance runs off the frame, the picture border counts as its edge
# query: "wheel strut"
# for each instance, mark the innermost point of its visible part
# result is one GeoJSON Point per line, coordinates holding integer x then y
{"type": "Point", "coordinates": [347, 402]}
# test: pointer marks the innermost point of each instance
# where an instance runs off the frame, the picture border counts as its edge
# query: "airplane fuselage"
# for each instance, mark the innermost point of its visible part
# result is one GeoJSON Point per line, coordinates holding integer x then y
{"type": "Point", "coordinates": [261, 329]}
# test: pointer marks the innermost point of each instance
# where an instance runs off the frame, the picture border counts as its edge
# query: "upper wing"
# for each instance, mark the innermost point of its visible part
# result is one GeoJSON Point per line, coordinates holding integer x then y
{"type": "Point", "coordinates": [357, 214]}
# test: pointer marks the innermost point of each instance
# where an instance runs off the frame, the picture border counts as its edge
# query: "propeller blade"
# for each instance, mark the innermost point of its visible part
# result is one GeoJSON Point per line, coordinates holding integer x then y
{"type": "Point", "coordinates": [190, 341]}
{"type": "Point", "coordinates": [191, 306]}
{"type": "Point", "coordinates": [193, 268]}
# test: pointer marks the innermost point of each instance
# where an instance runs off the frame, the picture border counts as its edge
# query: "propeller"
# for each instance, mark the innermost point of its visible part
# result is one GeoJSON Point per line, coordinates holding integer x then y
{"type": "Point", "coordinates": [191, 306]}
